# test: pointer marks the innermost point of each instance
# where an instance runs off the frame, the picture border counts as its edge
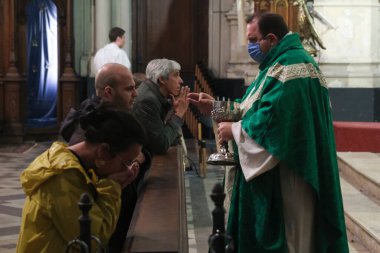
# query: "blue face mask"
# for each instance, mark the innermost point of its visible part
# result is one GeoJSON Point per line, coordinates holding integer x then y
{"type": "Point", "coordinates": [255, 52]}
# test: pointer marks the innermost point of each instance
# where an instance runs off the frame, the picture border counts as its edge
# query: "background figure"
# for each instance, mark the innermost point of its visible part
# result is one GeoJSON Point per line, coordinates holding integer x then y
{"type": "Point", "coordinates": [115, 86]}
{"type": "Point", "coordinates": [308, 33]}
{"type": "Point", "coordinates": [113, 52]}
{"type": "Point", "coordinates": [286, 192]}
{"type": "Point", "coordinates": [161, 105]}
{"type": "Point", "coordinates": [101, 165]}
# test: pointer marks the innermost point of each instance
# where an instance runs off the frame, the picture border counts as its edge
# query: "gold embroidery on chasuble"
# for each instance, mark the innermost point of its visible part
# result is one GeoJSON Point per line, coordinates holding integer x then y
{"type": "Point", "coordinates": [283, 74]}
{"type": "Point", "coordinates": [251, 98]}
{"type": "Point", "coordinates": [294, 71]}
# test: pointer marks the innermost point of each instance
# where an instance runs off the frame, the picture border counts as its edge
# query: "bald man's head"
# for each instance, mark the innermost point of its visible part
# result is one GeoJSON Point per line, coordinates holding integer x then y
{"type": "Point", "coordinates": [114, 84]}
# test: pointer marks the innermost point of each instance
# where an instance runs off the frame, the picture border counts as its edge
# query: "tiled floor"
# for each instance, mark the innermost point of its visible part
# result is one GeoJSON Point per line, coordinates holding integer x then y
{"type": "Point", "coordinates": [11, 194]}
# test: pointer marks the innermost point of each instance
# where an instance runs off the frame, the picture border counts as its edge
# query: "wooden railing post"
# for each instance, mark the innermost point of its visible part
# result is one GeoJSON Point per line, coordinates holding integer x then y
{"type": "Point", "coordinates": [219, 241]}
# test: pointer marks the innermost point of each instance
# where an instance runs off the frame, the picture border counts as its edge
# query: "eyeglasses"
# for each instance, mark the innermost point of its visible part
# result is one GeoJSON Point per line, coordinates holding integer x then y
{"type": "Point", "coordinates": [126, 164]}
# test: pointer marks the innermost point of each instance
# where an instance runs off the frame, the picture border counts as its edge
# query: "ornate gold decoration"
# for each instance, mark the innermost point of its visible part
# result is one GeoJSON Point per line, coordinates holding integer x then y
{"type": "Point", "coordinates": [308, 32]}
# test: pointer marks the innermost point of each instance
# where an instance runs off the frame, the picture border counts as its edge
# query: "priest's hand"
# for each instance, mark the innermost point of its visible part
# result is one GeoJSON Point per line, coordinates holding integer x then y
{"type": "Point", "coordinates": [201, 100]}
{"type": "Point", "coordinates": [224, 132]}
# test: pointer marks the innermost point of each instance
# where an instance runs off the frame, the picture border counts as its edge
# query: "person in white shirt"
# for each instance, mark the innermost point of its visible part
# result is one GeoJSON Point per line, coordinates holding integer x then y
{"type": "Point", "coordinates": [113, 52]}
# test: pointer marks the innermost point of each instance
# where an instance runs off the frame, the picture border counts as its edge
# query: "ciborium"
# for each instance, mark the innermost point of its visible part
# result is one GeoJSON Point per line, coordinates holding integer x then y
{"type": "Point", "coordinates": [222, 112]}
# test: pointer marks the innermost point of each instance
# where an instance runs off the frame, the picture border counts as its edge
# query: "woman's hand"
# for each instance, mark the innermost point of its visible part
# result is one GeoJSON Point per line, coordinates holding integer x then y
{"type": "Point", "coordinates": [126, 176]}
{"type": "Point", "coordinates": [201, 100]}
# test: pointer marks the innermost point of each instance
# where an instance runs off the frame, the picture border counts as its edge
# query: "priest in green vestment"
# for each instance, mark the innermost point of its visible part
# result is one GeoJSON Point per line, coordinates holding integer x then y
{"type": "Point", "coordinates": [286, 192]}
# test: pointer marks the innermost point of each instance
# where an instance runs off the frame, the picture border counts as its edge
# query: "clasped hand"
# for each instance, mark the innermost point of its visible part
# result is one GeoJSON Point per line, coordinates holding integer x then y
{"type": "Point", "coordinates": [180, 103]}
{"type": "Point", "coordinates": [127, 175]}
{"type": "Point", "coordinates": [224, 132]}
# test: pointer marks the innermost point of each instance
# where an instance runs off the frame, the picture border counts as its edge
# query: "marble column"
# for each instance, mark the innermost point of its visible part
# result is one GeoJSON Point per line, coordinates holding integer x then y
{"type": "Point", "coordinates": [102, 22]}
{"type": "Point", "coordinates": [83, 34]}
{"type": "Point", "coordinates": [239, 65]}
{"type": "Point", "coordinates": [122, 17]}
{"type": "Point", "coordinates": [219, 36]}
{"type": "Point", "coordinates": [352, 55]}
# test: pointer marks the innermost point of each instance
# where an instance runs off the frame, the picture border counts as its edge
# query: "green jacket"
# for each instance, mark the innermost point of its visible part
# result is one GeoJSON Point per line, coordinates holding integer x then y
{"type": "Point", "coordinates": [156, 114]}
{"type": "Point", "coordinates": [287, 111]}
{"type": "Point", "coordinates": [53, 184]}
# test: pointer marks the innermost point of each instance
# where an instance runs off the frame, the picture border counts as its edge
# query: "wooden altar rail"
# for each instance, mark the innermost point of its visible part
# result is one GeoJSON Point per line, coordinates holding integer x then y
{"type": "Point", "coordinates": [159, 220]}
{"type": "Point", "coordinates": [202, 81]}
{"type": "Point", "coordinates": [201, 84]}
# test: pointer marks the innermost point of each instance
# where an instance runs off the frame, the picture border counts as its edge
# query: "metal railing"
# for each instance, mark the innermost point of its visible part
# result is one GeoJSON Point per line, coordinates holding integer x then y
{"type": "Point", "coordinates": [219, 240]}
{"type": "Point", "coordinates": [85, 238]}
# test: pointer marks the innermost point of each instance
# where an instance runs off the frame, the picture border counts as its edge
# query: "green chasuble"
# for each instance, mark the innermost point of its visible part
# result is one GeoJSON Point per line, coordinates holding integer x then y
{"type": "Point", "coordinates": [287, 111]}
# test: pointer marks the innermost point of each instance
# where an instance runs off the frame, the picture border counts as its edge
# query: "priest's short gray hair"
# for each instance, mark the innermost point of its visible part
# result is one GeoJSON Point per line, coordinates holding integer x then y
{"type": "Point", "coordinates": [161, 68]}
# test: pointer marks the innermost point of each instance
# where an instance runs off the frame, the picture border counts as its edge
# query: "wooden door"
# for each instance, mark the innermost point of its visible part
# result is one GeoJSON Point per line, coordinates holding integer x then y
{"type": "Point", "coordinates": [173, 29]}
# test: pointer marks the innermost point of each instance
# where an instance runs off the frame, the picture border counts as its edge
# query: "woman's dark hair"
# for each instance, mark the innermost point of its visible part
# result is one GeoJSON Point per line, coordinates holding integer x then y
{"type": "Point", "coordinates": [269, 22]}
{"type": "Point", "coordinates": [117, 128]}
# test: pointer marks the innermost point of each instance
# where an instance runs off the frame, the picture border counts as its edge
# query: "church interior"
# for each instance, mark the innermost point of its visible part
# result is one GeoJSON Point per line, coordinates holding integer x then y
{"type": "Point", "coordinates": [46, 68]}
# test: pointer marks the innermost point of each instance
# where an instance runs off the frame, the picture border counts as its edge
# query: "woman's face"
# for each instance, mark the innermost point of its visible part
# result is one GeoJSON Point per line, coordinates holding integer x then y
{"type": "Point", "coordinates": [120, 161]}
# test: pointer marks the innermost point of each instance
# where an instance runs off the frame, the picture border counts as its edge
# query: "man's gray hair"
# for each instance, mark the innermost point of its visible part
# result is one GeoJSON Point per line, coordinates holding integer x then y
{"type": "Point", "coordinates": [161, 68]}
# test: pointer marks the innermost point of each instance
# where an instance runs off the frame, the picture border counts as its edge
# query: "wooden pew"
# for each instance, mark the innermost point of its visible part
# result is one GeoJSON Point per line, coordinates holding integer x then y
{"type": "Point", "coordinates": [159, 221]}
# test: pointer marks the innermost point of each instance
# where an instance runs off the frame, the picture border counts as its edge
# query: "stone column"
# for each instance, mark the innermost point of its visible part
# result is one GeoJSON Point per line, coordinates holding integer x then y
{"type": "Point", "coordinates": [83, 34]}
{"type": "Point", "coordinates": [102, 22]}
{"type": "Point", "coordinates": [239, 65]}
{"type": "Point", "coordinates": [219, 36]}
{"type": "Point", "coordinates": [102, 17]}
{"type": "Point", "coordinates": [122, 17]}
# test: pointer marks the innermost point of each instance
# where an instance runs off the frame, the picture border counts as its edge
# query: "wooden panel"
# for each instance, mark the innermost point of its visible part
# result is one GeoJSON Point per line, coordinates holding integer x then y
{"type": "Point", "coordinates": [2, 100]}
{"type": "Point", "coordinates": [4, 41]}
{"type": "Point", "coordinates": [285, 8]}
{"type": "Point", "coordinates": [282, 7]}
{"type": "Point", "coordinates": [162, 29]}
{"type": "Point", "coordinates": [2, 47]}
{"type": "Point", "coordinates": [159, 220]}
{"type": "Point", "coordinates": [67, 98]}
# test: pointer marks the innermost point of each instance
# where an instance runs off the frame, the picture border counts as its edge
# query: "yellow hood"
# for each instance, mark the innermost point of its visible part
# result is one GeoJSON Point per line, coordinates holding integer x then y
{"type": "Point", "coordinates": [52, 162]}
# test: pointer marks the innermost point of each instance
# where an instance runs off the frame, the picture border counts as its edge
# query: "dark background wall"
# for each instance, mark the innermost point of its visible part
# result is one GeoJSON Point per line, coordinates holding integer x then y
{"type": "Point", "coordinates": [355, 104]}
{"type": "Point", "coordinates": [348, 104]}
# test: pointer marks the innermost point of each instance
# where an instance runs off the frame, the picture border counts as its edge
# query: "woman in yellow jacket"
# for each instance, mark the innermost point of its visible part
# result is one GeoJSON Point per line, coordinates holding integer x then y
{"type": "Point", "coordinates": [101, 165]}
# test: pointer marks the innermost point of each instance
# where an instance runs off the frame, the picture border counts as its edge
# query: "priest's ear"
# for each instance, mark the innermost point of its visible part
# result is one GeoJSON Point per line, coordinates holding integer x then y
{"type": "Point", "coordinates": [272, 38]}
